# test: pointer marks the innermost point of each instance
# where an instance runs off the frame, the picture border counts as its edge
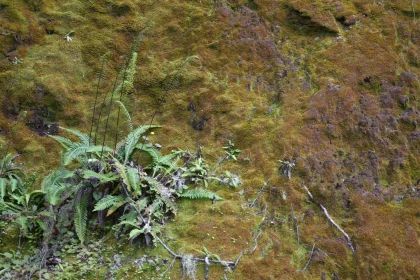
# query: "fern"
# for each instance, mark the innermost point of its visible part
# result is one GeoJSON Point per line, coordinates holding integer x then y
{"type": "Point", "coordinates": [65, 142]}
{"type": "Point", "coordinates": [53, 185]}
{"type": "Point", "coordinates": [84, 138]}
{"type": "Point", "coordinates": [126, 113]}
{"type": "Point", "coordinates": [74, 151]}
{"type": "Point", "coordinates": [151, 151]}
{"type": "Point", "coordinates": [5, 163]}
{"type": "Point", "coordinates": [129, 181]}
{"type": "Point", "coordinates": [3, 185]}
{"type": "Point", "coordinates": [107, 202]}
{"type": "Point", "coordinates": [199, 194]}
{"type": "Point", "coordinates": [132, 139]}
{"type": "Point", "coordinates": [80, 218]}
{"type": "Point", "coordinates": [103, 178]}
{"type": "Point", "coordinates": [135, 232]}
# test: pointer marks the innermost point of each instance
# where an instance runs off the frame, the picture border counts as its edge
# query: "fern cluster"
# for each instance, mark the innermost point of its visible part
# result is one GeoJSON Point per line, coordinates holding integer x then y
{"type": "Point", "coordinates": [17, 202]}
{"type": "Point", "coordinates": [110, 183]}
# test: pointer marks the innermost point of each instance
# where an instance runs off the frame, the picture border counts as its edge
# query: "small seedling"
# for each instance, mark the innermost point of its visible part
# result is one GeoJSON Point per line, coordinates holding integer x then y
{"type": "Point", "coordinates": [231, 151]}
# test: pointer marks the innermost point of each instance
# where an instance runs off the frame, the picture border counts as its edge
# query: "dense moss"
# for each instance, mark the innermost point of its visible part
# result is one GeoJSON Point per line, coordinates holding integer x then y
{"type": "Point", "coordinates": [333, 85]}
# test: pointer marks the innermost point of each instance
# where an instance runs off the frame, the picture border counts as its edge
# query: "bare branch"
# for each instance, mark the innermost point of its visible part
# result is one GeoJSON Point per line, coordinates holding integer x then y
{"type": "Point", "coordinates": [256, 244]}
{"type": "Point", "coordinates": [258, 195]}
{"type": "Point", "coordinates": [228, 263]}
{"type": "Point", "coordinates": [324, 210]}
{"type": "Point", "coordinates": [310, 258]}
{"type": "Point", "coordinates": [295, 223]}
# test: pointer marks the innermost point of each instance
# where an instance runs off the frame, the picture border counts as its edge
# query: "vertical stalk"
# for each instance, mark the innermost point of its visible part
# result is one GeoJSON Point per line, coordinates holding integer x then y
{"type": "Point", "coordinates": [96, 99]}
{"type": "Point", "coordinates": [110, 107]}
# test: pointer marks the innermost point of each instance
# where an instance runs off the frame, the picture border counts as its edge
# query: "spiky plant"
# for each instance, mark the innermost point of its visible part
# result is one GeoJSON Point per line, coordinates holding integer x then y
{"type": "Point", "coordinates": [141, 195]}
{"type": "Point", "coordinates": [17, 202]}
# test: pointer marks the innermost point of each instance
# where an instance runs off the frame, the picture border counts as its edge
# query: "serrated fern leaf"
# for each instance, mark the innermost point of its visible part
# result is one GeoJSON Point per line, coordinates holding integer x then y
{"type": "Point", "coordinates": [54, 194]}
{"type": "Point", "coordinates": [3, 184]}
{"type": "Point", "coordinates": [133, 138]}
{"type": "Point", "coordinates": [107, 202]}
{"type": "Point", "coordinates": [135, 232]}
{"type": "Point", "coordinates": [126, 113]}
{"type": "Point", "coordinates": [80, 218]}
{"type": "Point", "coordinates": [103, 178]}
{"type": "Point", "coordinates": [98, 149]}
{"type": "Point", "coordinates": [65, 142]}
{"type": "Point", "coordinates": [74, 151]}
{"type": "Point", "coordinates": [134, 180]}
{"type": "Point", "coordinates": [200, 194]}
{"type": "Point", "coordinates": [53, 185]}
{"type": "Point", "coordinates": [5, 162]}
{"type": "Point", "coordinates": [115, 207]}
{"type": "Point", "coordinates": [152, 152]}
{"type": "Point", "coordinates": [84, 138]}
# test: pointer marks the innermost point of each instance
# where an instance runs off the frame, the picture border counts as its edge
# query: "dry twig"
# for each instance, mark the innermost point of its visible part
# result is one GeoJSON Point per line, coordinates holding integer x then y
{"type": "Point", "coordinates": [324, 210]}
{"type": "Point", "coordinates": [310, 258]}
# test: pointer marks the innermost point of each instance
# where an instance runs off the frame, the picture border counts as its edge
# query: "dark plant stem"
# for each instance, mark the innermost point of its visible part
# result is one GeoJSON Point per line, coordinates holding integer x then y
{"type": "Point", "coordinates": [119, 108]}
{"type": "Point", "coordinates": [109, 112]}
{"type": "Point", "coordinates": [96, 99]}
{"type": "Point", "coordinates": [102, 106]}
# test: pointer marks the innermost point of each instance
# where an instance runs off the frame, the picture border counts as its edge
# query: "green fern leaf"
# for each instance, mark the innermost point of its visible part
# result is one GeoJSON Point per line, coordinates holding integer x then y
{"type": "Point", "coordinates": [98, 149]}
{"type": "Point", "coordinates": [200, 194]}
{"type": "Point", "coordinates": [152, 152]}
{"type": "Point", "coordinates": [53, 185]}
{"type": "Point", "coordinates": [126, 113]}
{"type": "Point", "coordinates": [115, 207]}
{"type": "Point", "coordinates": [84, 138]}
{"type": "Point", "coordinates": [132, 139]}
{"type": "Point", "coordinates": [74, 151]}
{"type": "Point", "coordinates": [80, 218]}
{"type": "Point", "coordinates": [135, 232]}
{"type": "Point", "coordinates": [107, 202]}
{"type": "Point", "coordinates": [130, 177]}
{"type": "Point", "coordinates": [103, 178]}
{"type": "Point", "coordinates": [134, 181]}
{"type": "Point", "coordinates": [65, 142]}
{"type": "Point", "coordinates": [55, 194]}
{"type": "Point", "coordinates": [5, 162]}
{"type": "Point", "coordinates": [3, 184]}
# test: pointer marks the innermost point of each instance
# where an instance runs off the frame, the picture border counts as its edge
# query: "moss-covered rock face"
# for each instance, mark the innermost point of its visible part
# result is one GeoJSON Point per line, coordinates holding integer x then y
{"type": "Point", "coordinates": [332, 85]}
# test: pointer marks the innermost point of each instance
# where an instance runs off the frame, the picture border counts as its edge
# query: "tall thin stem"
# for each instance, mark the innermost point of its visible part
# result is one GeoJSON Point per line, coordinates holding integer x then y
{"type": "Point", "coordinates": [110, 107]}
{"type": "Point", "coordinates": [96, 99]}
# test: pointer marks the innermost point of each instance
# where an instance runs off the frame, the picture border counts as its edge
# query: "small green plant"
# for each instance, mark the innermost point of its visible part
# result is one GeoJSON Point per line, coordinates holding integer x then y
{"type": "Point", "coordinates": [69, 35]}
{"type": "Point", "coordinates": [231, 151]}
{"type": "Point", "coordinates": [230, 179]}
{"type": "Point", "coordinates": [142, 195]}
{"type": "Point", "coordinates": [17, 202]}
{"type": "Point", "coordinates": [286, 168]}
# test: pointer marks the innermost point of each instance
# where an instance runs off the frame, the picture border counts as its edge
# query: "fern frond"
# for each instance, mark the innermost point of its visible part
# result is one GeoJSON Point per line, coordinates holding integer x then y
{"type": "Point", "coordinates": [54, 195]}
{"type": "Point", "coordinates": [5, 163]}
{"type": "Point", "coordinates": [98, 149]}
{"type": "Point", "coordinates": [200, 194]}
{"type": "Point", "coordinates": [80, 218]}
{"type": "Point", "coordinates": [103, 178]}
{"type": "Point", "coordinates": [126, 113]}
{"type": "Point", "coordinates": [151, 151]}
{"type": "Point", "coordinates": [74, 151]}
{"type": "Point", "coordinates": [132, 139]}
{"type": "Point", "coordinates": [53, 185]}
{"type": "Point", "coordinates": [3, 185]}
{"type": "Point", "coordinates": [65, 142]}
{"type": "Point", "coordinates": [131, 70]}
{"type": "Point", "coordinates": [84, 138]}
{"type": "Point", "coordinates": [135, 232]}
{"type": "Point", "coordinates": [118, 205]}
{"type": "Point", "coordinates": [107, 202]}
{"type": "Point", "coordinates": [134, 181]}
